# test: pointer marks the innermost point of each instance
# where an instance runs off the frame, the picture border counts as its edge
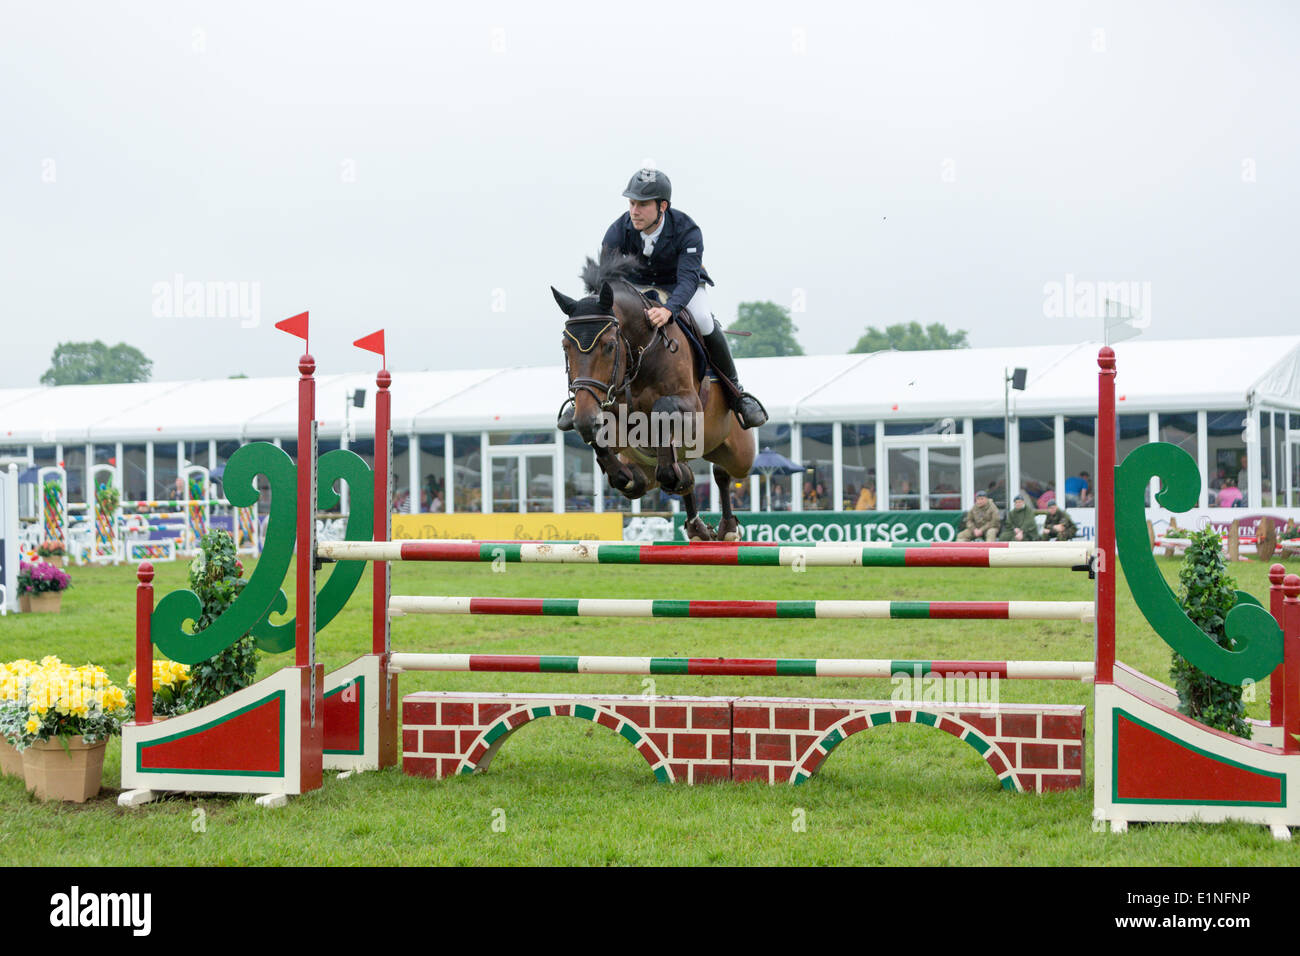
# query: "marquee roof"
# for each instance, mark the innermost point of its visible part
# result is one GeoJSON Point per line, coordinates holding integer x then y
{"type": "Point", "coordinates": [1154, 376]}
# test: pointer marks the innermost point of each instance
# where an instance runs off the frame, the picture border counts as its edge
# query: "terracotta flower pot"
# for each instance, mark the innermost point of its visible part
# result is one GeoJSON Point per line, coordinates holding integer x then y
{"type": "Point", "coordinates": [11, 761]}
{"type": "Point", "coordinates": [73, 775]}
{"type": "Point", "coordinates": [47, 602]}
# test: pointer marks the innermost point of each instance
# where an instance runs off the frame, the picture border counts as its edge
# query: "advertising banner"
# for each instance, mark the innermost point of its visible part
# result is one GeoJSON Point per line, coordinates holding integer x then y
{"type": "Point", "coordinates": [811, 527]}
{"type": "Point", "coordinates": [542, 526]}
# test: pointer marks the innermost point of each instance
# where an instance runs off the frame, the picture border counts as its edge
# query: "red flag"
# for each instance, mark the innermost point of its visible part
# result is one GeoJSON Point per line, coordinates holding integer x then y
{"type": "Point", "coordinates": [374, 342]}
{"type": "Point", "coordinates": [295, 325]}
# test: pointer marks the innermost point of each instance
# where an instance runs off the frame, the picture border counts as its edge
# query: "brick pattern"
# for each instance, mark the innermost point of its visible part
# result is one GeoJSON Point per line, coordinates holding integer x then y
{"type": "Point", "coordinates": [1031, 747]}
{"type": "Point", "coordinates": [684, 739]}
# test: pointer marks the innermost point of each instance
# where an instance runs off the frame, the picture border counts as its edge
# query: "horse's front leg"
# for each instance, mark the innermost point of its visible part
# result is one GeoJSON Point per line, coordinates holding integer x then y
{"type": "Point", "coordinates": [674, 476]}
{"type": "Point", "coordinates": [673, 441]}
{"type": "Point", "coordinates": [625, 477]}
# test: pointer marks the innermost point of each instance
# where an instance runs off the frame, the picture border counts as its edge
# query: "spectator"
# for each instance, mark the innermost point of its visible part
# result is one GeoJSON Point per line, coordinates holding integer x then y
{"type": "Point", "coordinates": [982, 521]}
{"type": "Point", "coordinates": [1021, 524]}
{"type": "Point", "coordinates": [1046, 498]}
{"type": "Point", "coordinates": [1057, 526]}
{"type": "Point", "coordinates": [1229, 495]}
{"type": "Point", "coordinates": [867, 497]}
{"type": "Point", "coordinates": [1076, 486]}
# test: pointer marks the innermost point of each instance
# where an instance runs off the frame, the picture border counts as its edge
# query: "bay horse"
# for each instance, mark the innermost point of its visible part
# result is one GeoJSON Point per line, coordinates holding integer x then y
{"type": "Point", "coordinates": [638, 398]}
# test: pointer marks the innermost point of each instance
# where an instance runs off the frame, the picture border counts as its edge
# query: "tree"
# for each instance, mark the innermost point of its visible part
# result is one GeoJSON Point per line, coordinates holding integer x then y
{"type": "Point", "coordinates": [910, 337]}
{"type": "Point", "coordinates": [94, 363]}
{"type": "Point", "coordinates": [773, 332]}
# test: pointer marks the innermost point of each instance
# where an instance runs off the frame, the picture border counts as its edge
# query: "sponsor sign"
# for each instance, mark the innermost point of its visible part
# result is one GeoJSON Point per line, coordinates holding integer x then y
{"type": "Point", "coordinates": [812, 527]}
{"type": "Point", "coordinates": [541, 526]}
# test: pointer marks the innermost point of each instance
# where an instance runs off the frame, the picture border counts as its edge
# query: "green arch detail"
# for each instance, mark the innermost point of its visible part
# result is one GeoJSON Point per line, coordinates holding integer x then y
{"type": "Point", "coordinates": [833, 738]}
{"type": "Point", "coordinates": [338, 465]}
{"type": "Point", "coordinates": [502, 729]}
{"type": "Point", "coordinates": [240, 483]}
{"type": "Point", "coordinates": [1255, 635]}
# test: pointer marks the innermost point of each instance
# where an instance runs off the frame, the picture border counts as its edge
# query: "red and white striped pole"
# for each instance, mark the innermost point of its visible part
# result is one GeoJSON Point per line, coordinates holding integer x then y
{"type": "Point", "coordinates": [1106, 516]}
{"type": "Point", "coordinates": [144, 644]}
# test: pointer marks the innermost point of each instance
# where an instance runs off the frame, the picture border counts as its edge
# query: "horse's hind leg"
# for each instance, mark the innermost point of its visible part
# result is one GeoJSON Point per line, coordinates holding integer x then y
{"type": "Point", "coordinates": [728, 526]}
{"type": "Point", "coordinates": [696, 528]}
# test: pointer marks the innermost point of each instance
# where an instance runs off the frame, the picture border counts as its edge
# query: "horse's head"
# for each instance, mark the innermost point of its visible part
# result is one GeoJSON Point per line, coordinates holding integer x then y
{"type": "Point", "coordinates": [595, 356]}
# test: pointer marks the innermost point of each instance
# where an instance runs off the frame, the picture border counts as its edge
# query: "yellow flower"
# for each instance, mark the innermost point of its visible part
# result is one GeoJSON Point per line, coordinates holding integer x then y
{"type": "Point", "coordinates": [32, 725]}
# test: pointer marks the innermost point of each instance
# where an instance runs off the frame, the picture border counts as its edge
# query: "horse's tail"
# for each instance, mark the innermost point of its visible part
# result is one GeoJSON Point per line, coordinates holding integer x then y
{"type": "Point", "coordinates": [613, 265]}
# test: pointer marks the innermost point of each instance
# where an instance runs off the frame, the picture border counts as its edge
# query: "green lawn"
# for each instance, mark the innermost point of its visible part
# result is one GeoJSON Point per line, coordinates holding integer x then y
{"type": "Point", "coordinates": [563, 791]}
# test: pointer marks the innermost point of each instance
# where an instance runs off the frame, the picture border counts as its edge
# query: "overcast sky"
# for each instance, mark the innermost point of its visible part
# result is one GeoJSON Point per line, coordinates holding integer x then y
{"type": "Point", "coordinates": [432, 168]}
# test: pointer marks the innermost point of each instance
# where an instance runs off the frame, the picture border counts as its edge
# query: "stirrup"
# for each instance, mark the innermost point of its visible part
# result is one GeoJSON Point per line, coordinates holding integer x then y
{"type": "Point", "coordinates": [564, 420]}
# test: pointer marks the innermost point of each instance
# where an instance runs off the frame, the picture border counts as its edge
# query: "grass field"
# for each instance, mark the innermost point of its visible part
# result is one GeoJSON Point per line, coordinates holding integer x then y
{"type": "Point", "coordinates": [565, 792]}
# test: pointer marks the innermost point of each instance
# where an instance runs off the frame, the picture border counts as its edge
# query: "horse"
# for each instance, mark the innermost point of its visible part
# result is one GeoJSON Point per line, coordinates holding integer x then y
{"type": "Point", "coordinates": [639, 401]}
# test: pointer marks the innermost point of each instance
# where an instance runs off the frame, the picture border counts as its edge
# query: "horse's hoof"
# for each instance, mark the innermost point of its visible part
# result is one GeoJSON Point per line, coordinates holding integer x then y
{"type": "Point", "coordinates": [729, 529]}
{"type": "Point", "coordinates": [697, 530]}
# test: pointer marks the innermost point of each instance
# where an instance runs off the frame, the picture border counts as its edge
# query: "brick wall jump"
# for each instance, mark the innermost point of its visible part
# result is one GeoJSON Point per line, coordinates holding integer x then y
{"type": "Point", "coordinates": [1030, 747]}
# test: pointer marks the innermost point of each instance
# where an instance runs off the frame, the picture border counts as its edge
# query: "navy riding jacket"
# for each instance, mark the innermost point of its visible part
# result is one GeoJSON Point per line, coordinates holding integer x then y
{"type": "Point", "coordinates": [677, 262]}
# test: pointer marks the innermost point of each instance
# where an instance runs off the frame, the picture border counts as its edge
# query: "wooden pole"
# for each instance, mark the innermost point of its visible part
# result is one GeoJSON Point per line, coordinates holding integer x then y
{"type": "Point", "coordinates": [1105, 662]}
{"type": "Point", "coordinates": [144, 644]}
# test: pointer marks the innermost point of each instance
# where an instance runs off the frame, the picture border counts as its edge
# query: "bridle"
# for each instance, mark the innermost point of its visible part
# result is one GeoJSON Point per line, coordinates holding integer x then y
{"type": "Point", "coordinates": [625, 354]}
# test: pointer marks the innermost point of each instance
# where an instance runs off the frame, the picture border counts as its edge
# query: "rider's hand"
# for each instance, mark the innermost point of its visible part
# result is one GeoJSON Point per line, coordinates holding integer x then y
{"type": "Point", "coordinates": [658, 316]}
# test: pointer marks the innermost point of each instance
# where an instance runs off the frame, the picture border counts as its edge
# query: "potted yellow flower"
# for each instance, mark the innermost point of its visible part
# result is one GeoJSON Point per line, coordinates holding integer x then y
{"type": "Point", "coordinates": [71, 714]}
{"type": "Point", "coordinates": [14, 678]}
{"type": "Point", "coordinates": [171, 684]}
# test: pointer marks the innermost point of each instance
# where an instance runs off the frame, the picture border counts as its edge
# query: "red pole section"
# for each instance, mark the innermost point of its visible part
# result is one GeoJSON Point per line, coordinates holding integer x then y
{"type": "Point", "coordinates": [1276, 680]}
{"type": "Point", "coordinates": [1291, 663]}
{"type": "Point", "coordinates": [1106, 516]}
{"type": "Point", "coordinates": [383, 506]}
{"type": "Point", "coordinates": [144, 644]}
{"type": "Point", "coordinates": [306, 498]}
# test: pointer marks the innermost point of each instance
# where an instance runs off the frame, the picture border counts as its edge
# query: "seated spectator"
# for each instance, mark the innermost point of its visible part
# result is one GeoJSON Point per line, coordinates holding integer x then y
{"type": "Point", "coordinates": [982, 522]}
{"type": "Point", "coordinates": [1021, 524]}
{"type": "Point", "coordinates": [1229, 495]}
{"type": "Point", "coordinates": [1085, 499]}
{"type": "Point", "coordinates": [1077, 485]}
{"type": "Point", "coordinates": [1046, 498]}
{"type": "Point", "coordinates": [866, 498]}
{"type": "Point", "coordinates": [1057, 526]}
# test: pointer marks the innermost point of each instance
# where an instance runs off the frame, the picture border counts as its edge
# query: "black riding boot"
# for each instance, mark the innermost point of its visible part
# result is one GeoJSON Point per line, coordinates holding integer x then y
{"type": "Point", "coordinates": [748, 409]}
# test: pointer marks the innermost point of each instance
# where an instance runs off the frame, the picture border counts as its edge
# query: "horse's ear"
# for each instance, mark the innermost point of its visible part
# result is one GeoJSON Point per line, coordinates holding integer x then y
{"type": "Point", "coordinates": [606, 296]}
{"type": "Point", "coordinates": [563, 301]}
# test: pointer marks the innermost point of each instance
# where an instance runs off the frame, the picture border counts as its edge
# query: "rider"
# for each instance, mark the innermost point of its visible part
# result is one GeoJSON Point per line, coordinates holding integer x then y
{"type": "Point", "coordinates": [670, 252]}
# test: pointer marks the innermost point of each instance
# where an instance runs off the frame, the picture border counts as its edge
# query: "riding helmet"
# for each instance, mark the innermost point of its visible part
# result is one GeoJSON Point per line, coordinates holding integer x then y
{"type": "Point", "coordinates": [649, 184]}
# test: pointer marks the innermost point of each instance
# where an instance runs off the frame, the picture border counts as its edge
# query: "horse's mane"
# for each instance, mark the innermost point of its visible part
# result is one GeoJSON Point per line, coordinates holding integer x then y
{"type": "Point", "coordinates": [613, 265]}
